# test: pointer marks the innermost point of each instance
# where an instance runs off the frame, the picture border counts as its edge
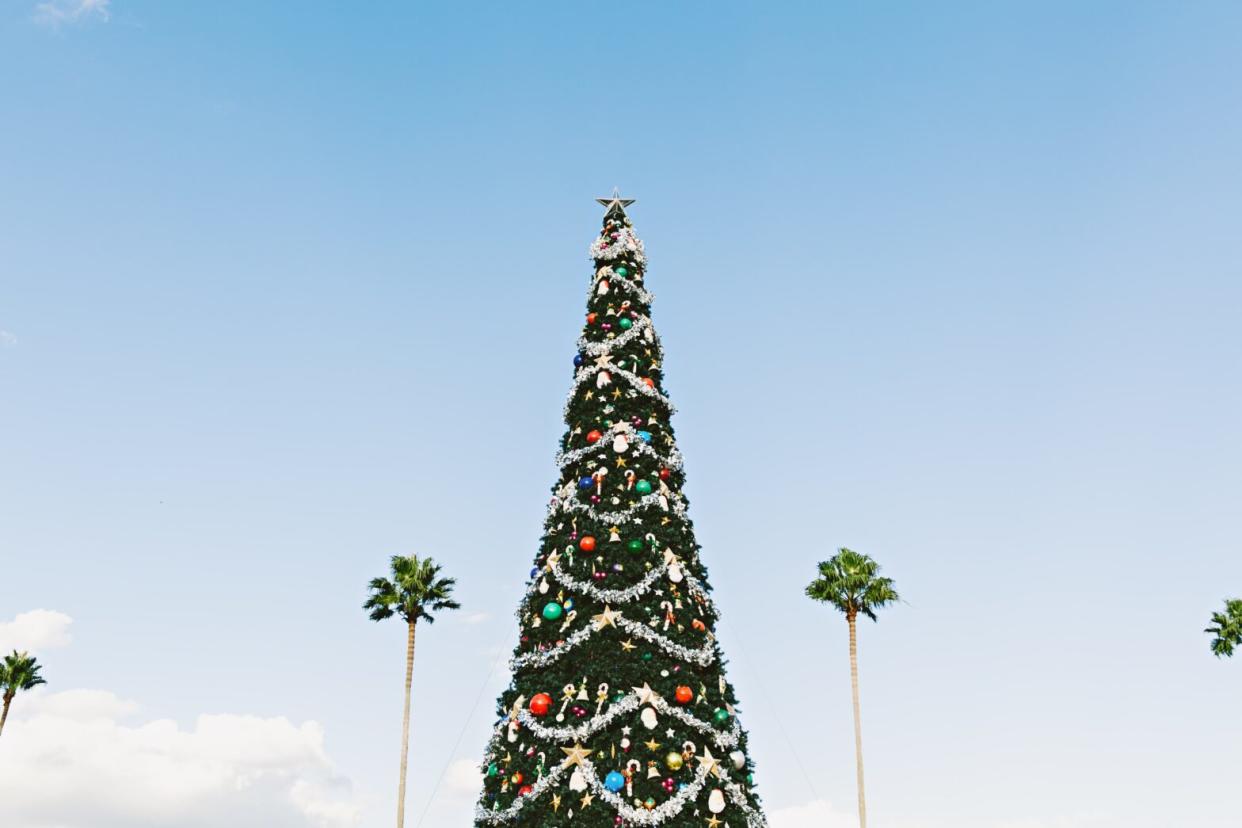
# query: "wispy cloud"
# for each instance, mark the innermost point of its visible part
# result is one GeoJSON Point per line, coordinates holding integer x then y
{"type": "Point", "coordinates": [7, 338]}
{"type": "Point", "coordinates": [57, 13]}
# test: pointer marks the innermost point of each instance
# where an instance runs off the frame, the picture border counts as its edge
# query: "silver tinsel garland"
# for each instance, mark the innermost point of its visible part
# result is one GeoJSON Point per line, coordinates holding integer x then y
{"type": "Point", "coordinates": [607, 248]}
{"type": "Point", "coordinates": [702, 656]}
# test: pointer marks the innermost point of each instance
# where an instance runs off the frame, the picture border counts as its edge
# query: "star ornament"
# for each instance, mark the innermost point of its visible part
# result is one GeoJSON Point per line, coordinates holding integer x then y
{"type": "Point", "coordinates": [615, 203]}
{"type": "Point", "coordinates": [710, 762]}
{"type": "Point", "coordinates": [645, 694]}
{"type": "Point", "coordinates": [607, 618]}
{"type": "Point", "coordinates": [574, 755]}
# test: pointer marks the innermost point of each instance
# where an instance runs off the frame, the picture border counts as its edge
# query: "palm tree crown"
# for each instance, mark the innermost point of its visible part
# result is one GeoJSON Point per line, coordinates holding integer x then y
{"type": "Point", "coordinates": [850, 581]}
{"type": "Point", "coordinates": [414, 592]}
{"type": "Point", "coordinates": [20, 671]}
{"type": "Point", "coordinates": [1227, 627]}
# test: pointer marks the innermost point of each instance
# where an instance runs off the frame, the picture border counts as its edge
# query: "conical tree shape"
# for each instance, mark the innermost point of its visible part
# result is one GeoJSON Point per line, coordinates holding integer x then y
{"type": "Point", "coordinates": [619, 707]}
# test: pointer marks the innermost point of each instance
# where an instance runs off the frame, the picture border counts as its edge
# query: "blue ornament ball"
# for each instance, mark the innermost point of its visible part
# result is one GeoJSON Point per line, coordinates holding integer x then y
{"type": "Point", "coordinates": [645, 435]}
{"type": "Point", "coordinates": [614, 781]}
{"type": "Point", "coordinates": [585, 483]}
{"type": "Point", "coordinates": [579, 359]}
{"type": "Point", "coordinates": [534, 571]}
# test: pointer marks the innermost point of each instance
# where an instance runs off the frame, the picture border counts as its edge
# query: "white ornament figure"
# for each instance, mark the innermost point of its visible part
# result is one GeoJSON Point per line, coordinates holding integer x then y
{"type": "Point", "coordinates": [738, 758]}
{"type": "Point", "coordinates": [620, 444]}
{"type": "Point", "coordinates": [648, 718]}
{"type": "Point", "coordinates": [649, 334]}
{"type": "Point", "coordinates": [716, 801]}
{"type": "Point", "coordinates": [577, 782]}
{"type": "Point", "coordinates": [602, 288]}
{"type": "Point", "coordinates": [603, 379]}
{"type": "Point", "coordinates": [674, 566]}
{"type": "Point", "coordinates": [513, 730]}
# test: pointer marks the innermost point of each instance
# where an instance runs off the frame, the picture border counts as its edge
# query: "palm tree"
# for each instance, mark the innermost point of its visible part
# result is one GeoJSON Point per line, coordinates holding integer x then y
{"type": "Point", "coordinates": [1227, 627]}
{"type": "Point", "coordinates": [415, 591]}
{"type": "Point", "coordinates": [850, 582]}
{"type": "Point", "coordinates": [20, 671]}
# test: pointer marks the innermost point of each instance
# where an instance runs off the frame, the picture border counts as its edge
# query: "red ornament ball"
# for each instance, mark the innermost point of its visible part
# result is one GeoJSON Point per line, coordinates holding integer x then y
{"type": "Point", "coordinates": [587, 544]}
{"type": "Point", "coordinates": [524, 790]}
{"type": "Point", "coordinates": [665, 474]}
{"type": "Point", "coordinates": [591, 317]}
{"type": "Point", "coordinates": [649, 382]}
{"type": "Point", "coordinates": [684, 695]}
{"type": "Point", "coordinates": [593, 436]}
{"type": "Point", "coordinates": [540, 704]}
{"type": "Point", "coordinates": [517, 778]}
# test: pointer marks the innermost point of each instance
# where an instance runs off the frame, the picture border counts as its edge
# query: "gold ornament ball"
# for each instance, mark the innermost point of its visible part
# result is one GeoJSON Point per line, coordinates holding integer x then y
{"type": "Point", "coordinates": [673, 760]}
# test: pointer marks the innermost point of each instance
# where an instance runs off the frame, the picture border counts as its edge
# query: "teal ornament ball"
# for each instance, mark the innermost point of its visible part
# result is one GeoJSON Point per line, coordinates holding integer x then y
{"type": "Point", "coordinates": [635, 545]}
{"type": "Point", "coordinates": [626, 323]}
{"type": "Point", "coordinates": [492, 770]}
{"type": "Point", "coordinates": [643, 487]}
{"type": "Point", "coordinates": [552, 611]}
{"type": "Point", "coordinates": [721, 715]}
{"type": "Point", "coordinates": [622, 271]}
{"type": "Point", "coordinates": [647, 656]}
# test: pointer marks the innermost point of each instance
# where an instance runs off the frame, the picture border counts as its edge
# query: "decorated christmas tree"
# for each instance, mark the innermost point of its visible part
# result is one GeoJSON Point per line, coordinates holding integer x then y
{"type": "Point", "coordinates": [619, 713]}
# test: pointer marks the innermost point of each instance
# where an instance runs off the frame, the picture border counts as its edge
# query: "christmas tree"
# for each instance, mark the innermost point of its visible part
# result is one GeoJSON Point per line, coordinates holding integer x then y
{"type": "Point", "coordinates": [619, 713]}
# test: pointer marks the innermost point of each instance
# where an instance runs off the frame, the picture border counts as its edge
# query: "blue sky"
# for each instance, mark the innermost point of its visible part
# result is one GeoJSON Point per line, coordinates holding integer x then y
{"type": "Point", "coordinates": [288, 288]}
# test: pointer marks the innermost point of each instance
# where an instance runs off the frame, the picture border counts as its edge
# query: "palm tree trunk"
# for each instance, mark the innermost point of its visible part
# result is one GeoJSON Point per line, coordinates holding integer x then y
{"type": "Point", "coordinates": [4, 717]}
{"type": "Point", "coordinates": [405, 724]}
{"type": "Point", "coordinates": [862, 798]}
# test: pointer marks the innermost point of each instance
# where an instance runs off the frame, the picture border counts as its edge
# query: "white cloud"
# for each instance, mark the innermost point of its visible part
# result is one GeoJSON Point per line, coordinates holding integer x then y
{"type": "Point", "coordinates": [71, 760]}
{"type": "Point", "coordinates": [57, 13]}
{"type": "Point", "coordinates": [36, 630]}
{"type": "Point", "coordinates": [78, 759]}
{"type": "Point", "coordinates": [8, 338]}
{"type": "Point", "coordinates": [815, 814]}
{"type": "Point", "coordinates": [476, 618]}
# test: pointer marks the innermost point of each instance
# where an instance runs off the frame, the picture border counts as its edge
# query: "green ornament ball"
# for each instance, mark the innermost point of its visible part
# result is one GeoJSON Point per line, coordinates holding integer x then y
{"type": "Point", "coordinates": [647, 656]}
{"type": "Point", "coordinates": [750, 779]}
{"type": "Point", "coordinates": [635, 545]}
{"type": "Point", "coordinates": [492, 770]}
{"type": "Point", "coordinates": [552, 611]}
{"type": "Point", "coordinates": [720, 715]}
{"type": "Point", "coordinates": [643, 487]}
{"type": "Point", "coordinates": [626, 323]}
{"type": "Point", "coordinates": [622, 271]}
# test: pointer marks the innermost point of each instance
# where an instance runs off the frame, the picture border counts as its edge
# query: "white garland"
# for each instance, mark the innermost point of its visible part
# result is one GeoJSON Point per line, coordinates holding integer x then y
{"type": "Point", "coordinates": [507, 815]}
{"type": "Point", "coordinates": [702, 656]}
{"type": "Point", "coordinates": [641, 816]}
{"type": "Point", "coordinates": [587, 371]}
{"type": "Point", "coordinates": [620, 596]}
{"type": "Point", "coordinates": [638, 444]}
{"type": "Point", "coordinates": [608, 596]}
{"type": "Point", "coordinates": [644, 295]}
{"type": "Point", "coordinates": [636, 816]}
{"type": "Point", "coordinates": [624, 516]}
{"type": "Point", "coordinates": [724, 739]}
{"type": "Point", "coordinates": [605, 247]}
{"type": "Point", "coordinates": [596, 348]}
